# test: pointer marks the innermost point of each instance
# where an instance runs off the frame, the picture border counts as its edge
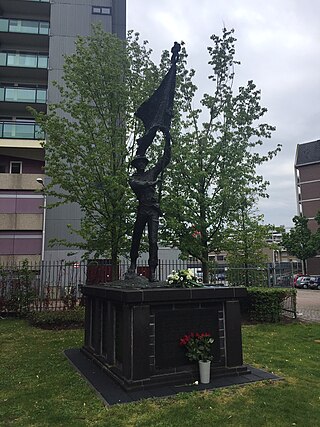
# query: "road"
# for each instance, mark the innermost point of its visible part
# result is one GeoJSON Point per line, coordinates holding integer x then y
{"type": "Point", "coordinates": [308, 305]}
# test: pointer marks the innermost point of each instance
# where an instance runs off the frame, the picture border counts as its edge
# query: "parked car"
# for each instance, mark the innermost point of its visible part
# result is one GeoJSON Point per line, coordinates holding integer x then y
{"type": "Point", "coordinates": [303, 282]}
{"type": "Point", "coordinates": [296, 277]}
{"type": "Point", "coordinates": [314, 282]}
{"type": "Point", "coordinates": [220, 276]}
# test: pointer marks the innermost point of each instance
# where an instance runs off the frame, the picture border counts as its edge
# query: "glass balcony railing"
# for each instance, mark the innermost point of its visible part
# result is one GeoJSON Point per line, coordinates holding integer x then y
{"type": "Point", "coordinates": [27, 60]}
{"type": "Point", "coordinates": [20, 130]}
{"type": "Point", "coordinates": [22, 26]}
{"type": "Point", "coordinates": [21, 94]}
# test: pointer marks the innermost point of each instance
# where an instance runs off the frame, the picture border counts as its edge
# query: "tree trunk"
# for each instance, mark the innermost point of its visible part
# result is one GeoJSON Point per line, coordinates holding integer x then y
{"type": "Point", "coordinates": [245, 240]}
{"type": "Point", "coordinates": [114, 265]}
{"type": "Point", "coordinates": [205, 271]}
{"type": "Point", "coordinates": [114, 251]}
{"type": "Point", "coordinates": [304, 267]}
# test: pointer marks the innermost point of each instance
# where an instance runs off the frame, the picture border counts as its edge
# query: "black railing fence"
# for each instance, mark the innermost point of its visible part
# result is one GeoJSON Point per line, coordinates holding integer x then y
{"type": "Point", "coordinates": [57, 285]}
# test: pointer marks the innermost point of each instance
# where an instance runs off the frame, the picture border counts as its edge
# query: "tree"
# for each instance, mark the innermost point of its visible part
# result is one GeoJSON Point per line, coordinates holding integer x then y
{"type": "Point", "coordinates": [214, 161]}
{"type": "Point", "coordinates": [246, 239]}
{"type": "Point", "coordinates": [300, 241]}
{"type": "Point", "coordinates": [90, 134]}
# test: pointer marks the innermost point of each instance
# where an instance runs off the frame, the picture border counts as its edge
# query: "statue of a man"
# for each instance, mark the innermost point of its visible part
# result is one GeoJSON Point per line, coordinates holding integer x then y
{"type": "Point", "coordinates": [144, 184]}
{"type": "Point", "coordinates": [156, 114]}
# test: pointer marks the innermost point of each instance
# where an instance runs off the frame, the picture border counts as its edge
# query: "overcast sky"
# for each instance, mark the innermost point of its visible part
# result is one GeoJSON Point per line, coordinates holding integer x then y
{"type": "Point", "coordinates": [278, 44]}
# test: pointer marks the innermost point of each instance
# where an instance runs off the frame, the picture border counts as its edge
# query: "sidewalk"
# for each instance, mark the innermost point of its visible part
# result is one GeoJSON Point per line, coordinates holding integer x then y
{"type": "Point", "coordinates": [308, 305]}
{"type": "Point", "coordinates": [308, 315]}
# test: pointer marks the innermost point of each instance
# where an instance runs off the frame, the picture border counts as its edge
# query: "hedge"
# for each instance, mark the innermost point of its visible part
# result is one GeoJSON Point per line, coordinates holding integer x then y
{"type": "Point", "coordinates": [73, 318]}
{"type": "Point", "coordinates": [266, 304]}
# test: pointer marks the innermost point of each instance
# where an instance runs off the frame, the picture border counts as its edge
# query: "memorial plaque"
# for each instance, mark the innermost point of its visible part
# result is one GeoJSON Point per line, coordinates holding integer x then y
{"type": "Point", "coordinates": [172, 325]}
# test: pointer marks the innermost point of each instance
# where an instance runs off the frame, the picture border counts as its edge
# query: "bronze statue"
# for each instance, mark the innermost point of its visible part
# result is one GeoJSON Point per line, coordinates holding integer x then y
{"type": "Point", "coordinates": [144, 183]}
{"type": "Point", "coordinates": [156, 114]}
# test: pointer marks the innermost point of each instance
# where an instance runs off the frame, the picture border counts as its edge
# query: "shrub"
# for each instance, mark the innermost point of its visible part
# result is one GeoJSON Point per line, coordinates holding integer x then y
{"type": "Point", "coordinates": [17, 288]}
{"type": "Point", "coordinates": [266, 304]}
{"type": "Point", "coordinates": [57, 319]}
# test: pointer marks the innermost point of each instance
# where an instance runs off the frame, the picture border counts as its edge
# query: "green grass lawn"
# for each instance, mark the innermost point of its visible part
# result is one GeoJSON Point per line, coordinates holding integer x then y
{"type": "Point", "coordinates": [39, 387]}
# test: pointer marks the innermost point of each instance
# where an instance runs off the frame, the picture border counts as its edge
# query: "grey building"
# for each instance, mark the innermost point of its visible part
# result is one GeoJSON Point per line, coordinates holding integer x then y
{"type": "Point", "coordinates": [307, 167]}
{"type": "Point", "coordinates": [69, 19]}
{"type": "Point", "coordinates": [34, 36]}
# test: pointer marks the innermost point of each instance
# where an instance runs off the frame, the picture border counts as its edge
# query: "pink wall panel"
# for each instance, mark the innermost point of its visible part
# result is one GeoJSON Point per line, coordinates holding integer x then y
{"type": "Point", "coordinates": [27, 246]}
{"type": "Point", "coordinates": [6, 246]}
{"type": "Point", "coordinates": [21, 205]}
{"type": "Point", "coordinates": [7, 205]}
{"type": "Point", "coordinates": [18, 246]}
{"type": "Point", "coordinates": [29, 205]}
{"type": "Point", "coordinates": [28, 165]}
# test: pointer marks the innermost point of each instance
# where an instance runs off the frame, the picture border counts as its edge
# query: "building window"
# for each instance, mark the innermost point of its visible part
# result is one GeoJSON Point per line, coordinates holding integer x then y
{"type": "Point", "coordinates": [220, 258]}
{"type": "Point", "coordinates": [99, 10]}
{"type": "Point", "coordinates": [16, 167]}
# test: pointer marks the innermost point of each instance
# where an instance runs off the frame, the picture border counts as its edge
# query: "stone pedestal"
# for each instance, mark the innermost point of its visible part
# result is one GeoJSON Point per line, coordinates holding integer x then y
{"type": "Point", "coordinates": [134, 333]}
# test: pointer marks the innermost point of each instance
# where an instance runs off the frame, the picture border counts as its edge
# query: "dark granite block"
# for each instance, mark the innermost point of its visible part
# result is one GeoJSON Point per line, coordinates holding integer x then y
{"type": "Point", "coordinates": [233, 333]}
{"type": "Point", "coordinates": [140, 342]}
{"type": "Point", "coordinates": [135, 333]}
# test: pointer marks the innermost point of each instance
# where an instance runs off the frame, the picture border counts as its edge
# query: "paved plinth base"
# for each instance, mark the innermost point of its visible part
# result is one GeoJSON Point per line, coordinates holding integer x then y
{"type": "Point", "coordinates": [111, 393]}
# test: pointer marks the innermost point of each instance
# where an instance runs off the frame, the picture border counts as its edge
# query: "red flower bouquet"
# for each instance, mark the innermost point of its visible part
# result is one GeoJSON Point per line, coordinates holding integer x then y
{"type": "Point", "coordinates": [198, 346]}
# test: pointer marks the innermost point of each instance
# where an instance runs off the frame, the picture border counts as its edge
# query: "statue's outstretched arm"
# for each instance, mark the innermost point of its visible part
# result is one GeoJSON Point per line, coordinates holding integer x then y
{"type": "Point", "coordinates": [165, 159]}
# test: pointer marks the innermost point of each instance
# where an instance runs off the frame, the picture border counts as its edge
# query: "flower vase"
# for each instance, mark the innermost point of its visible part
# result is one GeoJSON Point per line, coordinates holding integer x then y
{"type": "Point", "coordinates": [204, 369]}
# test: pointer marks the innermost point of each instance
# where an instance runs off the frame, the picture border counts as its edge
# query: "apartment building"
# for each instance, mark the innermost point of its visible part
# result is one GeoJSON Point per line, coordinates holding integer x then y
{"type": "Point", "coordinates": [34, 37]}
{"type": "Point", "coordinates": [307, 167]}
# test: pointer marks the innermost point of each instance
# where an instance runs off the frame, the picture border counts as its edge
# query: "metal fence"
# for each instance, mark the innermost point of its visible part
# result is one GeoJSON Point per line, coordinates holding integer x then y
{"type": "Point", "coordinates": [45, 286]}
{"type": "Point", "coordinates": [57, 285]}
{"type": "Point", "coordinates": [289, 306]}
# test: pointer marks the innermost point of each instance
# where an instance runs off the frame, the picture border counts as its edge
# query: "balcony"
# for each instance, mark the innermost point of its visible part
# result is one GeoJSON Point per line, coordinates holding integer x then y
{"type": "Point", "coordinates": [20, 130]}
{"type": "Point", "coordinates": [24, 26]}
{"type": "Point", "coordinates": [26, 60]}
{"type": "Point", "coordinates": [24, 67]}
{"type": "Point", "coordinates": [14, 100]}
{"type": "Point", "coordinates": [24, 33]}
{"type": "Point", "coordinates": [22, 94]}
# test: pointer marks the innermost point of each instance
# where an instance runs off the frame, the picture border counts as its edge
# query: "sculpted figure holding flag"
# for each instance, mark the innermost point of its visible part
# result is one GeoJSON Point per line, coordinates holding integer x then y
{"type": "Point", "coordinates": [156, 114]}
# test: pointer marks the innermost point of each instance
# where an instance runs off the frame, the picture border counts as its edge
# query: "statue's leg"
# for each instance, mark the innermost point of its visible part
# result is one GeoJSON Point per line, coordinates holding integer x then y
{"type": "Point", "coordinates": [136, 238]}
{"type": "Point", "coordinates": [153, 227]}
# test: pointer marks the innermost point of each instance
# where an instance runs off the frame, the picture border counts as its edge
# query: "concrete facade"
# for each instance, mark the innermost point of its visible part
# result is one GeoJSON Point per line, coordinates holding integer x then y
{"type": "Point", "coordinates": [307, 167]}
{"type": "Point", "coordinates": [24, 42]}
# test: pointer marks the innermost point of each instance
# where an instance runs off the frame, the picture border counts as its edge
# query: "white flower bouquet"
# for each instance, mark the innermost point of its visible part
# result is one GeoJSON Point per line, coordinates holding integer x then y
{"type": "Point", "coordinates": [183, 279]}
